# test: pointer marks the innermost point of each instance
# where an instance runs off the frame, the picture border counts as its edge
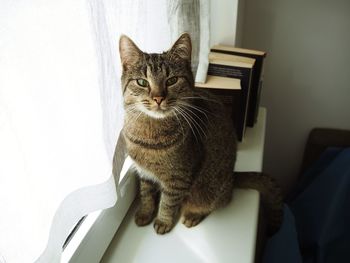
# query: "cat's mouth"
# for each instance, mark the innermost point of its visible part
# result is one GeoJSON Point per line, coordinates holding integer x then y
{"type": "Point", "coordinates": [160, 110]}
{"type": "Point", "coordinates": [155, 109]}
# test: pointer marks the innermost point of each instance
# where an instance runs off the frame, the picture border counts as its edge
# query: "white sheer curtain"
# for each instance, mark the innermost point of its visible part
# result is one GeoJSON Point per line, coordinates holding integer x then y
{"type": "Point", "coordinates": [61, 112]}
{"type": "Point", "coordinates": [192, 16]}
{"type": "Point", "coordinates": [54, 164]}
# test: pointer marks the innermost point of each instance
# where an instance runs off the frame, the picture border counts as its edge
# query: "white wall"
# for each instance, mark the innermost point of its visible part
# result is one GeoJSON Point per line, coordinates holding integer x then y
{"type": "Point", "coordinates": [307, 74]}
{"type": "Point", "coordinates": [223, 21]}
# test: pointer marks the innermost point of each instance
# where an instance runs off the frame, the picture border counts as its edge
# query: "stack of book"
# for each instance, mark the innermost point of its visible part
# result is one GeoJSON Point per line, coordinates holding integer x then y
{"type": "Point", "coordinates": [235, 75]}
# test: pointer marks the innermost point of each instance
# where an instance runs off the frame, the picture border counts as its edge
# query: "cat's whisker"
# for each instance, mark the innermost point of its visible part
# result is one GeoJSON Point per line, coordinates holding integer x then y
{"type": "Point", "coordinates": [131, 109]}
{"type": "Point", "coordinates": [188, 122]}
{"type": "Point", "coordinates": [195, 108]}
{"type": "Point", "coordinates": [133, 112]}
{"type": "Point", "coordinates": [191, 112]}
{"type": "Point", "coordinates": [202, 111]}
{"type": "Point", "coordinates": [182, 128]}
{"type": "Point", "coordinates": [199, 97]}
{"type": "Point", "coordinates": [138, 116]}
{"type": "Point", "coordinates": [196, 125]}
{"type": "Point", "coordinates": [133, 120]}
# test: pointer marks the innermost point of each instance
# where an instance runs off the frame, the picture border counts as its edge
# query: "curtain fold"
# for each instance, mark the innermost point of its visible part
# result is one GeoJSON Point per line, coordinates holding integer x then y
{"type": "Point", "coordinates": [192, 16]}
{"type": "Point", "coordinates": [61, 109]}
{"type": "Point", "coordinates": [204, 42]}
{"type": "Point", "coordinates": [55, 166]}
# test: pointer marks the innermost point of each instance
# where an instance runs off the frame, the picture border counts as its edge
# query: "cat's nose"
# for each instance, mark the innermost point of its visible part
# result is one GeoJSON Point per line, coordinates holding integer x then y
{"type": "Point", "coordinates": [158, 100]}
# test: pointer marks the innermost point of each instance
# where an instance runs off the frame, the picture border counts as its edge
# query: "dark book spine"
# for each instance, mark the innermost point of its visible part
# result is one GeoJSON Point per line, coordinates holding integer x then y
{"type": "Point", "coordinates": [231, 100]}
{"type": "Point", "coordinates": [256, 86]}
{"type": "Point", "coordinates": [239, 110]}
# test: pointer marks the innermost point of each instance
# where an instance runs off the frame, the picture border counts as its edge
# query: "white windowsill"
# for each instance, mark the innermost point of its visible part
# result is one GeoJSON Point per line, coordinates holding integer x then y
{"type": "Point", "coordinates": [94, 234]}
{"type": "Point", "coordinates": [97, 231]}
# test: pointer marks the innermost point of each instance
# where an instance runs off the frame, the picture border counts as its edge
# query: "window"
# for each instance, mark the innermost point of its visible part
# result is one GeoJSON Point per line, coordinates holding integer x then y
{"type": "Point", "coordinates": [61, 113]}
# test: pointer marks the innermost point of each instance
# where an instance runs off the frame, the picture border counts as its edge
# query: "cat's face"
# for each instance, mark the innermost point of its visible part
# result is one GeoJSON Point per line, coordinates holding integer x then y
{"type": "Point", "coordinates": [159, 85]}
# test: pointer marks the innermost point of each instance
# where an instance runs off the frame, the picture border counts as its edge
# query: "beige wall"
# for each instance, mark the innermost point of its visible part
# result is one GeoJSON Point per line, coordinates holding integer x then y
{"type": "Point", "coordinates": [307, 74]}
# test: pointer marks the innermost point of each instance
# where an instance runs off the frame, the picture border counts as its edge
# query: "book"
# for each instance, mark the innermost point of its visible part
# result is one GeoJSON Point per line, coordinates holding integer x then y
{"type": "Point", "coordinates": [257, 81]}
{"type": "Point", "coordinates": [228, 90]}
{"type": "Point", "coordinates": [241, 68]}
{"type": "Point", "coordinates": [222, 83]}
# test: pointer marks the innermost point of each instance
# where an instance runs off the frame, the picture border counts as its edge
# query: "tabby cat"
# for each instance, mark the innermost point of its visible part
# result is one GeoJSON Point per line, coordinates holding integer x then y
{"type": "Point", "coordinates": [182, 143]}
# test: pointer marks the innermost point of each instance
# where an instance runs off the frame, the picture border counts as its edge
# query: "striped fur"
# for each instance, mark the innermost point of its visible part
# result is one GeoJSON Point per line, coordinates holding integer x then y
{"type": "Point", "coordinates": [270, 192]}
{"type": "Point", "coordinates": [182, 143]}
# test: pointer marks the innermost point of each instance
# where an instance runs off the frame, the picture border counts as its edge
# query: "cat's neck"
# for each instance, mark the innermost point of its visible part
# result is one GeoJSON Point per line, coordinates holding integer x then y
{"type": "Point", "coordinates": [144, 127]}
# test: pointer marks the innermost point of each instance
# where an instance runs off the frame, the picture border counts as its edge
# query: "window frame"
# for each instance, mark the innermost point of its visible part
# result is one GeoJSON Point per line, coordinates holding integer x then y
{"type": "Point", "coordinates": [91, 237]}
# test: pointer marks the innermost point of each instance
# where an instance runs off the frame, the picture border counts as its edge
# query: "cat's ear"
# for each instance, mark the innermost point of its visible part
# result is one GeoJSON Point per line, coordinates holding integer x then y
{"type": "Point", "coordinates": [129, 52]}
{"type": "Point", "coordinates": [182, 48]}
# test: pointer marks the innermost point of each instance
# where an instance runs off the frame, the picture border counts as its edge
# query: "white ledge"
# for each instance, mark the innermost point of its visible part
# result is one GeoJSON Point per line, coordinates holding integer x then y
{"type": "Point", "coordinates": [226, 235]}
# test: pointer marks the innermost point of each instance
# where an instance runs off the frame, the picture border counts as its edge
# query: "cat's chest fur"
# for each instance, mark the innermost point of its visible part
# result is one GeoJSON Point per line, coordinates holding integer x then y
{"type": "Point", "coordinates": [157, 148]}
{"type": "Point", "coordinates": [145, 174]}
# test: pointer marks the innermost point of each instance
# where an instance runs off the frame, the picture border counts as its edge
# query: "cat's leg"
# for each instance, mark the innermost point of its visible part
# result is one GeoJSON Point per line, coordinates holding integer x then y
{"type": "Point", "coordinates": [194, 212]}
{"type": "Point", "coordinates": [192, 219]}
{"type": "Point", "coordinates": [172, 196]}
{"type": "Point", "coordinates": [148, 203]}
{"type": "Point", "coordinates": [203, 199]}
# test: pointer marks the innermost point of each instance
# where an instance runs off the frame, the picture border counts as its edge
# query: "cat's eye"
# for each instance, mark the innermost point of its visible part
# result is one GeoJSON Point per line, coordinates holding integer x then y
{"type": "Point", "coordinates": [171, 81]}
{"type": "Point", "coordinates": [142, 82]}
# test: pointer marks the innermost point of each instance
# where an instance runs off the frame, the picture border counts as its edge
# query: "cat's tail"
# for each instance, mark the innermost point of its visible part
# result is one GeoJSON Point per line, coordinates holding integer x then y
{"type": "Point", "coordinates": [271, 196]}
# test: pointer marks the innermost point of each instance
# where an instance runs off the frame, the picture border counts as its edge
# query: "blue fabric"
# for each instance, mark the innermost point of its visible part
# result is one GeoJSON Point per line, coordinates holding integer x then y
{"type": "Point", "coordinates": [323, 162]}
{"type": "Point", "coordinates": [283, 246]}
{"type": "Point", "coordinates": [322, 209]}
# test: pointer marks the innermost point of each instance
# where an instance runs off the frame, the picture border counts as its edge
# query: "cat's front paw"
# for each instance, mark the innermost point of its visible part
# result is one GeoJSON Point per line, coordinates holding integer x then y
{"type": "Point", "coordinates": [142, 218]}
{"type": "Point", "coordinates": [162, 227]}
{"type": "Point", "coordinates": [191, 220]}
